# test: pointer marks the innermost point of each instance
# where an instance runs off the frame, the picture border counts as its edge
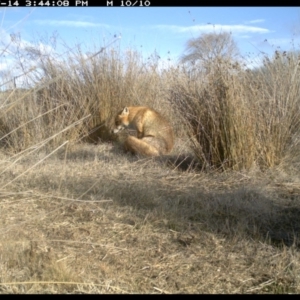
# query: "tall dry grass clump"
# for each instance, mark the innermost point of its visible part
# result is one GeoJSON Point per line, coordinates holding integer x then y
{"type": "Point", "coordinates": [276, 89]}
{"type": "Point", "coordinates": [239, 118]}
{"type": "Point", "coordinates": [74, 98]}
{"type": "Point", "coordinates": [220, 123]}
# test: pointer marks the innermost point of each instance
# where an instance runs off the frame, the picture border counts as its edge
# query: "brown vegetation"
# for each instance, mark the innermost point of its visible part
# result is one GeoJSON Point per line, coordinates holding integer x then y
{"type": "Point", "coordinates": [220, 214]}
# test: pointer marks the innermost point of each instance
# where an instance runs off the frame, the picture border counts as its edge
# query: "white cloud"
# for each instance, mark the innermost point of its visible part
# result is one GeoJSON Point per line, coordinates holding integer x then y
{"type": "Point", "coordinates": [69, 23]}
{"type": "Point", "coordinates": [11, 46]}
{"type": "Point", "coordinates": [235, 29]}
{"type": "Point", "coordinates": [10, 42]}
{"type": "Point", "coordinates": [4, 66]}
{"type": "Point", "coordinates": [254, 63]}
{"type": "Point", "coordinates": [255, 21]}
{"type": "Point", "coordinates": [5, 38]}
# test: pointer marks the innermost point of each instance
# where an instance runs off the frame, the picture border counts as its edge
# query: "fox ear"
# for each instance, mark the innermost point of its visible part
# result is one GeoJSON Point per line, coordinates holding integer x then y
{"type": "Point", "coordinates": [125, 111]}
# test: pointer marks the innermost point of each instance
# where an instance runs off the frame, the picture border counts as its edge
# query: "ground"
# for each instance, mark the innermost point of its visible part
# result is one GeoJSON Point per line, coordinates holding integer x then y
{"type": "Point", "coordinates": [91, 219]}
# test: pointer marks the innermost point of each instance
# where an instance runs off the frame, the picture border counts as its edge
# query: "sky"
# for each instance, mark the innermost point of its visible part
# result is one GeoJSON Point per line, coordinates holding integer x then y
{"type": "Point", "coordinates": [147, 29]}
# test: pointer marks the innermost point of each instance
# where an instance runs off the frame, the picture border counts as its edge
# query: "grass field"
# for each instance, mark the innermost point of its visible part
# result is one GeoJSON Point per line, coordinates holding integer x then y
{"type": "Point", "coordinates": [220, 214]}
{"type": "Point", "coordinates": [93, 220]}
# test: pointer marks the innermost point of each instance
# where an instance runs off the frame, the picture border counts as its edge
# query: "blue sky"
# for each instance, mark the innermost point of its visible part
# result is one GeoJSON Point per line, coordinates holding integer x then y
{"type": "Point", "coordinates": [164, 29]}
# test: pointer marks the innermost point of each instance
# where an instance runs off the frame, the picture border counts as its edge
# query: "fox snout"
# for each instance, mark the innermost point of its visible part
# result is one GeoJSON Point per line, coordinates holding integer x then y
{"type": "Point", "coordinates": [118, 129]}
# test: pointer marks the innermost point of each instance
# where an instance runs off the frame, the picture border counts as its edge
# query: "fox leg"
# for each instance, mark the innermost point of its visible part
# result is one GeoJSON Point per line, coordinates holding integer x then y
{"type": "Point", "coordinates": [140, 146]}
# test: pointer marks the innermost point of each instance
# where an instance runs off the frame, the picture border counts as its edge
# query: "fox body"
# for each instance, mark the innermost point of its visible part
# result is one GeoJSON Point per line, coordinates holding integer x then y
{"type": "Point", "coordinates": [154, 133]}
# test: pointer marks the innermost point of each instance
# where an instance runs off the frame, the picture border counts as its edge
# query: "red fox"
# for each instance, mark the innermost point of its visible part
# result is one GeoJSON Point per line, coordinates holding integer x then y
{"type": "Point", "coordinates": [154, 133]}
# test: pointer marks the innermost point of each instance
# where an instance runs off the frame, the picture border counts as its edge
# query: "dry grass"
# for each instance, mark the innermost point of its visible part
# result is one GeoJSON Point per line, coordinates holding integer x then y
{"type": "Point", "coordinates": [83, 221]}
{"type": "Point", "coordinates": [239, 118]}
{"type": "Point", "coordinates": [76, 98]}
{"type": "Point", "coordinates": [82, 218]}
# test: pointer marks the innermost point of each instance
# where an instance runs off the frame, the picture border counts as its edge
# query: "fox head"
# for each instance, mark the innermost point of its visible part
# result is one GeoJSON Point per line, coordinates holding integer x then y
{"type": "Point", "coordinates": [121, 120]}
